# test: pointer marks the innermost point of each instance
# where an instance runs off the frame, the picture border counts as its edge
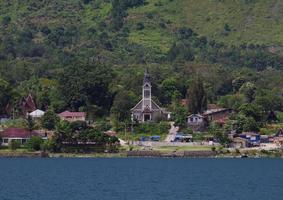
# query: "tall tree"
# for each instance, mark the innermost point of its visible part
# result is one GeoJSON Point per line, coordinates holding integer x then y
{"type": "Point", "coordinates": [197, 96]}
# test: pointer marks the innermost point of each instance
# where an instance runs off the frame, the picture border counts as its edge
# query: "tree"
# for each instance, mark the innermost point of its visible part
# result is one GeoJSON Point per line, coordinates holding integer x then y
{"type": "Point", "coordinates": [86, 85]}
{"type": "Point", "coordinates": [49, 120]}
{"type": "Point", "coordinates": [249, 90]}
{"type": "Point", "coordinates": [240, 123]}
{"type": "Point", "coordinates": [197, 97]}
{"type": "Point", "coordinates": [34, 143]}
{"type": "Point", "coordinates": [169, 88]}
{"type": "Point", "coordinates": [179, 116]}
{"type": "Point", "coordinates": [251, 110]}
{"type": "Point", "coordinates": [30, 123]}
{"type": "Point", "coordinates": [5, 95]}
{"type": "Point", "coordinates": [122, 104]}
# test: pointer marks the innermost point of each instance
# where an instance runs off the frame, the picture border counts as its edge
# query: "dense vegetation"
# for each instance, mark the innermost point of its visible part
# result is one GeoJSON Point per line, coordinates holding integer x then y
{"type": "Point", "coordinates": [89, 55]}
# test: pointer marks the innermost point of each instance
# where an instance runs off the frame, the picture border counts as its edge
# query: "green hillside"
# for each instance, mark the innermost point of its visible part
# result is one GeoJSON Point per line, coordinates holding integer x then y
{"type": "Point", "coordinates": [249, 21]}
{"type": "Point", "coordinates": [91, 54]}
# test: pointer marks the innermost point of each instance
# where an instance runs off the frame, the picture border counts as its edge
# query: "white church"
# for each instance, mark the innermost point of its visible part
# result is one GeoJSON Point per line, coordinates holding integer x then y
{"type": "Point", "coordinates": [147, 110]}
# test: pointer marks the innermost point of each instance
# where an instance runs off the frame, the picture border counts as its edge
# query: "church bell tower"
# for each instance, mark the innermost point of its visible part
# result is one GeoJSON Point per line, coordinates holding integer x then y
{"type": "Point", "coordinates": [147, 103]}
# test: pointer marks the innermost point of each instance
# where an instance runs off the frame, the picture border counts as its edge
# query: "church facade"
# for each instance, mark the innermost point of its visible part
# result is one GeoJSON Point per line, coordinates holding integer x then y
{"type": "Point", "coordinates": [147, 110]}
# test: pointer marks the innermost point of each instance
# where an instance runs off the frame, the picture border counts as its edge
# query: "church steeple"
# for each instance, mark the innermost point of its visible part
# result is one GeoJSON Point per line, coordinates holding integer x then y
{"type": "Point", "coordinates": [146, 78]}
{"type": "Point", "coordinates": [146, 106]}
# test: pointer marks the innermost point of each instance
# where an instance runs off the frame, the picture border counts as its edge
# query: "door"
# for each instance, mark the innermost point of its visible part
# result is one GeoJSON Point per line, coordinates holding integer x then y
{"type": "Point", "coordinates": [147, 117]}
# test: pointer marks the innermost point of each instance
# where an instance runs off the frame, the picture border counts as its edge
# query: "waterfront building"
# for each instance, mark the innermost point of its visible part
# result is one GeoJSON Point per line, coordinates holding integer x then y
{"type": "Point", "coordinates": [19, 134]}
{"type": "Point", "coordinates": [147, 110]}
{"type": "Point", "coordinates": [72, 116]}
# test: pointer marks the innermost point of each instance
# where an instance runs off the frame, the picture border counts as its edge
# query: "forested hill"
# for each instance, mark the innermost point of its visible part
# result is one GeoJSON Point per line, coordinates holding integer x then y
{"type": "Point", "coordinates": [91, 54]}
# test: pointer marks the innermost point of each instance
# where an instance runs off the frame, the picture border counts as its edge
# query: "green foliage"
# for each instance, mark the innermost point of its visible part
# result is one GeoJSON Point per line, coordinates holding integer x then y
{"type": "Point", "coordinates": [34, 143]}
{"type": "Point", "coordinates": [14, 144]}
{"type": "Point", "coordinates": [123, 102]}
{"type": "Point", "coordinates": [49, 120]}
{"type": "Point", "coordinates": [197, 97]}
{"type": "Point", "coordinates": [78, 135]}
{"type": "Point", "coordinates": [241, 123]}
{"type": "Point", "coordinates": [161, 128]}
{"type": "Point", "coordinates": [179, 116]}
{"type": "Point", "coordinates": [30, 123]}
{"type": "Point", "coordinates": [90, 55]}
{"type": "Point", "coordinates": [249, 91]}
{"type": "Point", "coordinates": [50, 145]}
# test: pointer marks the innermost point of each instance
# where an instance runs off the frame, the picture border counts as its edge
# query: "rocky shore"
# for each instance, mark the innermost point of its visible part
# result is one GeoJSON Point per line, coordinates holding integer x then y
{"type": "Point", "coordinates": [149, 153]}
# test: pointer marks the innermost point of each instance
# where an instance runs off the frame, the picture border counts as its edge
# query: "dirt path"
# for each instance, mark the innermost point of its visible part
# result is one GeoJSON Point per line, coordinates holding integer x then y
{"type": "Point", "coordinates": [172, 133]}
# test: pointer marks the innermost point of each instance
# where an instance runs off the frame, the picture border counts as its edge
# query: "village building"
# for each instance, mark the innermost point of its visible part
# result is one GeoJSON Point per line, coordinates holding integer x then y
{"type": "Point", "coordinates": [36, 114]}
{"type": "Point", "coordinates": [72, 116]}
{"type": "Point", "coordinates": [238, 143]}
{"type": "Point", "coordinates": [196, 122]}
{"type": "Point", "coordinates": [28, 105]}
{"type": "Point", "coordinates": [147, 110]}
{"type": "Point", "coordinates": [218, 115]}
{"type": "Point", "coordinates": [19, 134]}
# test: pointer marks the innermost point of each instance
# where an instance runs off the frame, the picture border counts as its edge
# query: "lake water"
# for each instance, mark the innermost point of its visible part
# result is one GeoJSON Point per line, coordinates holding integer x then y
{"type": "Point", "coordinates": [141, 179]}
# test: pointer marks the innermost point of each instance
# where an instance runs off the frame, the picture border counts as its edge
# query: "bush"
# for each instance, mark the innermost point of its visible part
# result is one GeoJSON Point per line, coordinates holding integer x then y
{"type": "Point", "coordinates": [152, 128]}
{"type": "Point", "coordinates": [14, 144]}
{"type": "Point", "coordinates": [34, 143]}
{"type": "Point", "coordinates": [49, 145]}
{"type": "Point", "coordinates": [49, 120]}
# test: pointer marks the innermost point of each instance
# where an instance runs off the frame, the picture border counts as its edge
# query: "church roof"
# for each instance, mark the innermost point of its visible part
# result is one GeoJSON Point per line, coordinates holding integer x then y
{"type": "Point", "coordinates": [139, 106]}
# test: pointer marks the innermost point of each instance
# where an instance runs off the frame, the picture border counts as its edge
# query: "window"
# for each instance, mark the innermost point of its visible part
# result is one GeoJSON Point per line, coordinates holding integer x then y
{"type": "Point", "coordinates": [146, 93]}
{"type": "Point", "coordinates": [5, 141]}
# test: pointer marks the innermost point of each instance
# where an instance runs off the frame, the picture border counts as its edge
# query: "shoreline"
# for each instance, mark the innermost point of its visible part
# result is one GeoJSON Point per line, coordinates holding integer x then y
{"type": "Point", "coordinates": [146, 154]}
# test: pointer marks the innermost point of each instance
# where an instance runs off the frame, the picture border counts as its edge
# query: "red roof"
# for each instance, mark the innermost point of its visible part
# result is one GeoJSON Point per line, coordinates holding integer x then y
{"type": "Point", "coordinates": [72, 114]}
{"type": "Point", "coordinates": [28, 104]}
{"type": "Point", "coordinates": [18, 133]}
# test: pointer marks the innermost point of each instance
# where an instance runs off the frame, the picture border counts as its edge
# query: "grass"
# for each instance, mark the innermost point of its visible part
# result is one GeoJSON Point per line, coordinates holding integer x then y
{"type": "Point", "coordinates": [183, 148]}
{"type": "Point", "coordinates": [259, 22]}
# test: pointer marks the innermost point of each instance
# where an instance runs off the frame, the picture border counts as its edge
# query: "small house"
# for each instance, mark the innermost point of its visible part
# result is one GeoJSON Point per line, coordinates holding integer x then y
{"type": "Point", "coordinates": [218, 115]}
{"type": "Point", "coordinates": [252, 138]}
{"type": "Point", "coordinates": [28, 105]}
{"type": "Point", "coordinates": [238, 143]}
{"type": "Point", "coordinates": [196, 122]}
{"type": "Point", "coordinates": [37, 114]}
{"type": "Point", "coordinates": [19, 134]}
{"type": "Point", "coordinates": [72, 116]}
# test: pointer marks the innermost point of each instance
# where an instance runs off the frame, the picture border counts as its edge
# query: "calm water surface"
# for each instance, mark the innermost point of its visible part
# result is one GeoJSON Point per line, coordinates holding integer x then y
{"type": "Point", "coordinates": [141, 179]}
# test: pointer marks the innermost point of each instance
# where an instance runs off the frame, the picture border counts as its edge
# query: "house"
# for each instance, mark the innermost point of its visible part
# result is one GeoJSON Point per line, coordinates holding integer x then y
{"type": "Point", "coordinates": [147, 110]}
{"type": "Point", "coordinates": [19, 134]}
{"type": "Point", "coordinates": [37, 114]}
{"type": "Point", "coordinates": [218, 115]}
{"type": "Point", "coordinates": [28, 105]}
{"type": "Point", "coordinates": [196, 122]}
{"type": "Point", "coordinates": [252, 138]}
{"type": "Point", "coordinates": [238, 143]}
{"type": "Point", "coordinates": [72, 116]}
